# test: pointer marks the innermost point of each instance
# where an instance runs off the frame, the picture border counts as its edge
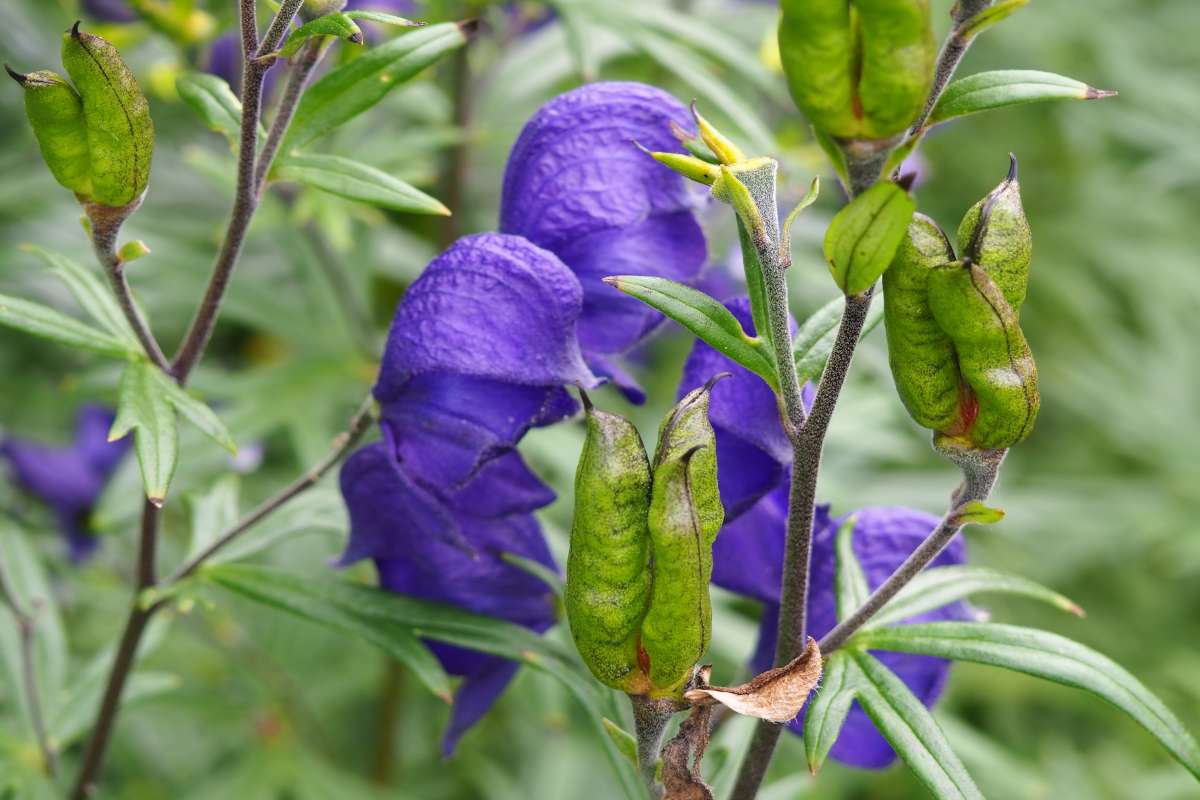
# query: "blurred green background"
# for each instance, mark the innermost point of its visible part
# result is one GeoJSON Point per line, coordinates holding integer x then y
{"type": "Point", "coordinates": [1101, 501]}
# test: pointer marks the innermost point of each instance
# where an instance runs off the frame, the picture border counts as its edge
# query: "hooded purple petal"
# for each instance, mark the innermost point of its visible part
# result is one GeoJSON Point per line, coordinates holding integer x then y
{"type": "Point", "coordinates": [753, 452]}
{"type": "Point", "coordinates": [69, 479]}
{"type": "Point", "coordinates": [576, 184]}
{"type": "Point", "coordinates": [479, 691]}
{"type": "Point", "coordinates": [883, 538]}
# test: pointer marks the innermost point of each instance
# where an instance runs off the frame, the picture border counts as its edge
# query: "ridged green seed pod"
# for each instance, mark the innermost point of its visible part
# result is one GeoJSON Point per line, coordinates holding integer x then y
{"type": "Point", "coordinates": [993, 356]}
{"type": "Point", "coordinates": [56, 113]}
{"type": "Point", "coordinates": [685, 516]}
{"type": "Point", "coordinates": [608, 567]}
{"type": "Point", "coordinates": [922, 357]}
{"type": "Point", "coordinates": [995, 234]}
{"type": "Point", "coordinates": [120, 134]}
{"type": "Point", "coordinates": [858, 69]}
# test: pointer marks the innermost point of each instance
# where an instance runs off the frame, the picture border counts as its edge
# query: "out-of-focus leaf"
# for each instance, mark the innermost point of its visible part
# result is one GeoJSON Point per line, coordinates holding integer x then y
{"type": "Point", "coordinates": [93, 296]}
{"type": "Point", "coordinates": [828, 708]}
{"type": "Point", "coordinates": [318, 509]}
{"type": "Point", "coordinates": [1044, 655]}
{"type": "Point", "coordinates": [352, 88]}
{"type": "Point", "coordinates": [850, 582]}
{"type": "Point", "coordinates": [143, 407]}
{"type": "Point", "coordinates": [383, 18]}
{"type": "Point", "coordinates": [863, 237]}
{"type": "Point", "coordinates": [910, 729]}
{"type": "Point", "coordinates": [336, 24]}
{"type": "Point", "coordinates": [211, 98]}
{"type": "Point", "coordinates": [623, 739]}
{"type": "Point", "coordinates": [195, 411]}
{"type": "Point", "coordinates": [354, 180]}
{"type": "Point", "coordinates": [213, 513]}
{"type": "Point", "coordinates": [941, 586]}
{"type": "Point", "coordinates": [47, 323]}
{"type": "Point", "coordinates": [814, 341]}
{"type": "Point", "coordinates": [704, 316]}
{"type": "Point", "coordinates": [985, 91]}
{"type": "Point", "coordinates": [991, 15]}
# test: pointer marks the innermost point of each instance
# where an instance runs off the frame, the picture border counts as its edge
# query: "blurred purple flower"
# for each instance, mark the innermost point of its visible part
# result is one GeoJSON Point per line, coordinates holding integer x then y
{"type": "Point", "coordinates": [224, 59]}
{"type": "Point", "coordinates": [754, 465]}
{"type": "Point", "coordinates": [109, 10]}
{"type": "Point", "coordinates": [578, 186]}
{"type": "Point", "coordinates": [69, 479]}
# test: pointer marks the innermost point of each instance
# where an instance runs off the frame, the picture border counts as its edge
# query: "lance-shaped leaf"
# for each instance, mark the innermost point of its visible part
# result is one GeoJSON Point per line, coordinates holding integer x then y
{"type": "Point", "coordinates": [1044, 655]}
{"type": "Point", "coordinates": [985, 91]}
{"type": "Point", "coordinates": [850, 582]}
{"type": "Point", "coordinates": [352, 88]}
{"type": "Point", "coordinates": [991, 15]}
{"type": "Point", "coordinates": [195, 411]}
{"type": "Point", "coordinates": [211, 98]}
{"type": "Point", "coordinates": [337, 24]}
{"type": "Point", "coordinates": [383, 18]}
{"type": "Point", "coordinates": [776, 695]}
{"type": "Point", "coordinates": [354, 180]}
{"type": "Point", "coordinates": [814, 341]}
{"type": "Point", "coordinates": [143, 407]}
{"type": "Point", "coordinates": [911, 730]}
{"type": "Point", "coordinates": [704, 316]}
{"type": "Point", "coordinates": [91, 293]}
{"type": "Point", "coordinates": [864, 236]}
{"type": "Point", "coordinates": [941, 586]}
{"type": "Point", "coordinates": [47, 323]}
{"type": "Point", "coordinates": [827, 713]}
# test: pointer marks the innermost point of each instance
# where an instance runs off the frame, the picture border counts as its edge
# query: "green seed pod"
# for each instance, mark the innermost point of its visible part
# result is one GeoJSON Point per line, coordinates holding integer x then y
{"type": "Point", "coordinates": [993, 356]}
{"type": "Point", "coordinates": [921, 355]}
{"type": "Point", "coordinates": [120, 134]}
{"type": "Point", "coordinates": [608, 567]}
{"type": "Point", "coordinates": [685, 515]}
{"type": "Point", "coordinates": [319, 8]}
{"type": "Point", "coordinates": [858, 69]}
{"type": "Point", "coordinates": [995, 234]}
{"type": "Point", "coordinates": [56, 113]}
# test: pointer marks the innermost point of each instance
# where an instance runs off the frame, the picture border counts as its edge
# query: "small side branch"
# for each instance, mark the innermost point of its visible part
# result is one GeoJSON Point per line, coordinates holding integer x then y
{"type": "Point", "coordinates": [26, 628]}
{"type": "Point", "coordinates": [302, 67]}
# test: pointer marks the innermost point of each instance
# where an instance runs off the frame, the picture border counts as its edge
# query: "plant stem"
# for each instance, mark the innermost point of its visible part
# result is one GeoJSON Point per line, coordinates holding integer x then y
{"type": "Point", "coordinates": [953, 49]}
{"type": "Point", "coordinates": [302, 67]}
{"type": "Point", "coordinates": [650, 720]}
{"type": "Point", "coordinates": [26, 627]}
{"type": "Point", "coordinates": [342, 445]}
{"type": "Point", "coordinates": [388, 706]}
{"type": "Point", "coordinates": [135, 626]}
{"type": "Point", "coordinates": [454, 178]}
{"type": "Point", "coordinates": [978, 479]}
{"type": "Point", "coordinates": [105, 227]}
{"type": "Point", "coordinates": [256, 60]}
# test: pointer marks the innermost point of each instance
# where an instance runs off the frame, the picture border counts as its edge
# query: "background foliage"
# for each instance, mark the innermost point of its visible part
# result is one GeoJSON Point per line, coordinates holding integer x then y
{"type": "Point", "coordinates": [1101, 501]}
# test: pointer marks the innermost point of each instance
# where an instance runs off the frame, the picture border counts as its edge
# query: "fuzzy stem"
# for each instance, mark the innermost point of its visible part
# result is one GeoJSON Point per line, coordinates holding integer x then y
{"type": "Point", "coordinates": [953, 49]}
{"type": "Point", "coordinates": [978, 478]}
{"type": "Point", "coordinates": [650, 720]}
{"type": "Point", "coordinates": [27, 627]}
{"type": "Point", "coordinates": [105, 223]}
{"type": "Point", "coordinates": [302, 67]}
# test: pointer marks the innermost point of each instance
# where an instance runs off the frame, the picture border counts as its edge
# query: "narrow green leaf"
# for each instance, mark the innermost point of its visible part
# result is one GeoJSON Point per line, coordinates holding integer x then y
{"type": "Point", "coordinates": [354, 180]}
{"type": "Point", "coordinates": [991, 15]}
{"type": "Point", "coordinates": [1044, 655]}
{"type": "Point", "coordinates": [385, 19]}
{"type": "Point", "coordinates": [320, 509]}
{"type": "Point", "coordinates": [828, 708]}
{"type": "Point", "coordinates": [352, 88]}
{"type": "Point", "coordinates": [47, 323]}
{"type": "Point", "coordinates": [864, 236]}
{"type": "Point", "coordinates": [213, 513]}
{"type": "Point", "coordinates": [337, 24]}
{"type": "Point", "coordinates": [814, 341]}
{"type": "Point", "coordinates": [940, 586]}
{"type": "Point", "coordinates": [93, 295]}
{"type": "Point", "coordinates": [143, 407]}
{"type": "Point", "coordinates": [625, 742]}
{"type": "Point", "coordinates": [133, 250]}
{"type": "Point", "coordinates": [79, 712]}
{"type": "Point", "coordinates": [978, 513]}
{"type": "Point", "coordinates": [553, 581]}
{"type": "Point", "coordinates": [211, 98]}
{"type": "Point", "coordinates": [850, 582]}
{"type": "Point", "coordinates": [985, 91]}
{"type": "Point", "coordinates": [194, 411]}
{"type": "Point", "coordinates": [911, 730]}
{"type": "Point", "coordinates": [755, 288]}
{"type": "Point", "coordinates": [704, 316]}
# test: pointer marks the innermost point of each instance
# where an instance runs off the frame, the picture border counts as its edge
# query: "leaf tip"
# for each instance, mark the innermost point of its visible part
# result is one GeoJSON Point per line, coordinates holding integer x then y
{"type": "Point", "coordinates": [468, 27]}
{"type": "Point", "coordinates": [1092, 93]}
{"type": "Point", "coordinates": [157, 500]}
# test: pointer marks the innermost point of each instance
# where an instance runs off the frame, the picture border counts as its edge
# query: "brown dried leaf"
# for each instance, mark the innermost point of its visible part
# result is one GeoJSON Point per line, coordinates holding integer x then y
{"type": "Point", "coordinates": [776, 695]}
{"type": "Point", "coordinates": [681, 780]}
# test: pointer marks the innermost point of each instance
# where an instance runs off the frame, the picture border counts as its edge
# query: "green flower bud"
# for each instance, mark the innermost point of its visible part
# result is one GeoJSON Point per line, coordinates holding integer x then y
{"type": "Point", "coordinates": [608, 567]}
{"type": "Point", "coordinates": [56, 113]}
{"type": "Point", "coordinates": [921, 355]}
{"type": "Point", "coordinates": [993, 356]}
{"type": "Point", "coordinates": [120, 134]}
{"type": "Point", "coordinates": [858, 69]}
{"type": "Point", "coordinates": [995, 235]}
{"type": "Point", "coordinates": [685, 516]}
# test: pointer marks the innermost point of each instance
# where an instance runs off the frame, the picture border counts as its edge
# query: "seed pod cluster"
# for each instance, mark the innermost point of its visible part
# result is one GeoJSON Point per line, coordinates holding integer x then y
{"type": "Point", "coordinates": [641, 549]}
{"type": "Point", "coordinates": [961, 363]}
{"type": "Point", "coordinates": [858, 69]}
{"type": "Point", "coordinates": [95, 132]}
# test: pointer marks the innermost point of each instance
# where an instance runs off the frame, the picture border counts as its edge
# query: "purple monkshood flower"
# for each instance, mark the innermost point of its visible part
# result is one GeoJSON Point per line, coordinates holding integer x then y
{"type": "Point", "coordinates": [69, 479]}
{"type": "Point", "coordinates": [577, 185]}
{"type": "Point", "coordinates": [754, 467]}
{"type": "Point", "coordinates": [109, 10]}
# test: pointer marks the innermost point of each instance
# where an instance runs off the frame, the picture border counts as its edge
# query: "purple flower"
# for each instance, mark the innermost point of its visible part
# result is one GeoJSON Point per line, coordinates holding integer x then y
{"type": "Point", "coordinates": [578, 186]}
{"type": "Point", "coordinates": [69, 479]}
{"type": "Point", "coordinates": [224, 60]}
{"type": "Point", "coordinates": [109, 10]}
{"type": "Point", "coordinates": [479, 351]}
{"type": "Point", "coordinates": [754, 466]}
